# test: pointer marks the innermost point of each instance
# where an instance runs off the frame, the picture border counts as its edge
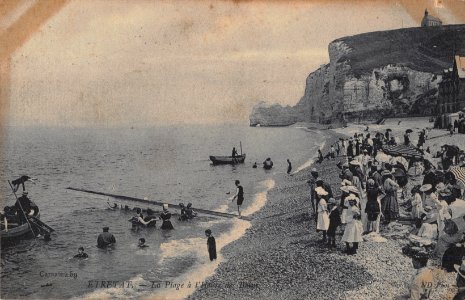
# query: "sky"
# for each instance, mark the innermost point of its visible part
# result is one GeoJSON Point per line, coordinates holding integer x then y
{"type": "Point", "coordinates": [144, 63]}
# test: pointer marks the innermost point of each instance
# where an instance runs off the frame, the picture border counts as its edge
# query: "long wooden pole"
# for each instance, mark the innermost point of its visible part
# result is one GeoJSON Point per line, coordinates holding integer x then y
{"type": "Point", "coordinates": [240, 144]}
{"type": "Point", "coordinates": [20, 206]}
{"type": "Point", "coordinates": [153, 202]}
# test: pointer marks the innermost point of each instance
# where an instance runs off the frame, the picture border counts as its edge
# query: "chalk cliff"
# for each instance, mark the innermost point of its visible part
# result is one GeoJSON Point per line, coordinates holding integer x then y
{"type": "Point", "coordinates": [373, 75]}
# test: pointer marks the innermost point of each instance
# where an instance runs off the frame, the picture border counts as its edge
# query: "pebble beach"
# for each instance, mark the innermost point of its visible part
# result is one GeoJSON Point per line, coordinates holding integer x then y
{"type": "Point", "coordinates": [281, 256]}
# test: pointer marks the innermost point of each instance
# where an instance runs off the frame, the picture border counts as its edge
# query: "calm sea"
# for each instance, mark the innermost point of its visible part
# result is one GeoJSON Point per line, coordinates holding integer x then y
{"type": "Point", "coordinates": [168, 164]}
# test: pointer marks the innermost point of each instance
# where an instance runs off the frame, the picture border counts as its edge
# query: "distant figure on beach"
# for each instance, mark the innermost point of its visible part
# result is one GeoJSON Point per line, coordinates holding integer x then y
{"type": "Point", "coordinates": [165, 216]}
{"type": "Point", "coordinates": [234, 152]}
{"type": "Point", "coordinates": [320, 156]}
{"type": "Point", "coordinates": [267, 164]}
{"type": "Point", "coordinates": [105, 238]}
{"type": "Point", "coordinates": [141, 243]}
{"type": "Point", "coordinates": [332, 152]}
{"type": "Point", "coordinates": [81, 253]}
{"type": "Point", "coordinates": [211, 244]}
{"type": "Point", "coordinates": [239, 196]}
{"type": "Point", "coordinates": [289, 166]}
{"type": "Point", "coordinates": [254, 165]}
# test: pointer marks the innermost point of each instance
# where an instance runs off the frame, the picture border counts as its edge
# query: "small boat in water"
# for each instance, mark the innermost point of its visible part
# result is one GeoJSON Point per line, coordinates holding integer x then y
{"type": "Point", "coordinates": [225, 160]}
{"type": "Point", "coordinates": [17, 231]}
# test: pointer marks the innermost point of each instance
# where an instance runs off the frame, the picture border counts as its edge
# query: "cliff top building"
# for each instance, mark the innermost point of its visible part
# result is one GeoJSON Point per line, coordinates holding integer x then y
{"type": "Point", "coordinates": [451, 97]}
{"type": "Point", "coordinates": [429, 20]}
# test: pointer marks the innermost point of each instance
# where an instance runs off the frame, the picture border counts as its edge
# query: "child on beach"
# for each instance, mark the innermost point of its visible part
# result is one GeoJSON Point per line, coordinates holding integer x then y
{"type": "Point", "coordinates": [211, 244]}
{"type": "Point", "coordinates": [323, 218]}
{"type": "Point", "coordinates": [354, 227]}
{"type": "Point", "coordinates": [334, 222]}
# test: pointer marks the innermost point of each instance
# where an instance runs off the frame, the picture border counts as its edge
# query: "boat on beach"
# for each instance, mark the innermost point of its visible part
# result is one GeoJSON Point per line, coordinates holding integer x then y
{"type": "Point", "coordinates": [227, 160]}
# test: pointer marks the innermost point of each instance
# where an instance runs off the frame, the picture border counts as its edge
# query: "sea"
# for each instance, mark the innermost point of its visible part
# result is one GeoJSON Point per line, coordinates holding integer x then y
{"type": "Point", "coordinates": [169, 164]}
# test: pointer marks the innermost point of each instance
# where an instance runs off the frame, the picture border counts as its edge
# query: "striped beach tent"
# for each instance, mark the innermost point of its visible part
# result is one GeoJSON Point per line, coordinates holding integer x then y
{"type": "Point", "coordinates": [402, 150]}
{"type": "Point", "coordinates": [459, 173]}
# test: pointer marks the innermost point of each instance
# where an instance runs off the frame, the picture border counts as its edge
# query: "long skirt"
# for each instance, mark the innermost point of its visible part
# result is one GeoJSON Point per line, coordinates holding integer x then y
{"type": "Point", "coordinates": [167, 225]}
{"type": "Point", "coordinates": [353, 232]}
{"type": "Point", "coordinates": [323, 221]}
{"type": "Point", "coordinates": [390, 207]}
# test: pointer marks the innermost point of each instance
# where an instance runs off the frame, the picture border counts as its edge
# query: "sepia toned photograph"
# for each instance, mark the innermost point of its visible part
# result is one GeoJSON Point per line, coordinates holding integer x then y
{"type": "Point", "coordinates": [232, 149]}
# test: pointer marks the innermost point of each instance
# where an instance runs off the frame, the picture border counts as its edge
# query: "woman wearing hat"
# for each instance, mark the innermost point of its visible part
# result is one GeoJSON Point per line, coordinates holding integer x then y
{"type": "Point", "coordinates": [390, 205]}
{"type": "Point", "coordinates": [354, 227]}
{"type": "Point", "coordinates": [344, 194]}
{"type": "Point", "coordinates": [323, 217]}
{"type": "Point", "coordinates": [334, 222]}
{"type": "Point", "coordinates": [166, 216]}
{"type": "Point", "coordinates": [372, 208]}
{"type": "Point", "coordinates": [448, 239]}
{"type": "Point", "coordinates": [417, 204]}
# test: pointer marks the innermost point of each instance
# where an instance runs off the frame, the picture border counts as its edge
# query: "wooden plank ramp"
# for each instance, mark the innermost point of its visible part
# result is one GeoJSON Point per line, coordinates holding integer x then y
{"type": "Point", "coordinates": [158, 203]}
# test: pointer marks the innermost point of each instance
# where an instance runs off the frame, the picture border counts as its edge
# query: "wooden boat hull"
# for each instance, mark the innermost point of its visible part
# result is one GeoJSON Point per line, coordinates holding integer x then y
{"type": "Point", "coordinates": [21, 231]}
{"type": "Point", "coordinates": [227, 160]}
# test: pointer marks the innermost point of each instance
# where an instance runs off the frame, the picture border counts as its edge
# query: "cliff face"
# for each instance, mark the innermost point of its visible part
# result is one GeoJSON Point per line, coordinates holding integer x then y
{"type": "Point", "coordinates": [373, 75]}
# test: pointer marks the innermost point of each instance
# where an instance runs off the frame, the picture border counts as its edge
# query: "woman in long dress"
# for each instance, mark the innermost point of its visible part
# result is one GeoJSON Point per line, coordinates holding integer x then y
{"type": "Point", "coordinates": [372, 208]}
{"type": "Point", "coordinates": [354, 227]}
{"type": "Point", "coordinates": [390, 204]}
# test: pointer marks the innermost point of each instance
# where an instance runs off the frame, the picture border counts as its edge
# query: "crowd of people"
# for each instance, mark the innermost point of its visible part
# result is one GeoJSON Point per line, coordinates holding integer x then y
{"type": "Point", "coordinates": [377, 183]}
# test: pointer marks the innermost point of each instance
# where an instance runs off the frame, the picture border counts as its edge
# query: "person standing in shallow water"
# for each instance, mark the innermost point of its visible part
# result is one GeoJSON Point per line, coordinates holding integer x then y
{"type": "Point", "coordinates": [105, 238]}
{"type": "Point", "coordinates": [239, 196]}
{"type": "Point", "coordinates": [289, 166]}
{"type": "Point", "coordinates": [165, 216]}
{"type": "Point", "coordinates": [211, 244]}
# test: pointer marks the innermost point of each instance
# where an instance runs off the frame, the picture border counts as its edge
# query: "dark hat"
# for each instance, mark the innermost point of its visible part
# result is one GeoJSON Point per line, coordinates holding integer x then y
{"type": "Point", "coordinates": [415, 252]}
{"type": "Point", "coordinates": [106, 228]}
{"type": "Point", "coordinates": [208, 231]}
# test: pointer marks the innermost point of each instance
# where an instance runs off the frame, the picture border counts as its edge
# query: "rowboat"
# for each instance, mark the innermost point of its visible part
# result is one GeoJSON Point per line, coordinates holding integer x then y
{"type": "Point", "coordinates": [225, 160]}
{"type": "Point", "coordinates": [16, 231]}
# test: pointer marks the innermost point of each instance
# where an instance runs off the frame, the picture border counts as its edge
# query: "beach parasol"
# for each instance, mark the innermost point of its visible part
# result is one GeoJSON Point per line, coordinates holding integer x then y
{"type": "Point", "coordinates": [389, 129]}
{"type": "Point", "coordinates": [399, 160]}
{"type": "Point", "coordinates": [459, 173]}
{"type": "Point", "coordinates": [383, 157]}
{"type": "Point", "coordinates": [402, 150]}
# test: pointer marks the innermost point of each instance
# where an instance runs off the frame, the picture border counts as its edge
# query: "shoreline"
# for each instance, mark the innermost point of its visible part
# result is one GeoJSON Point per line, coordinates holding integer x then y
{"type": "Point", "coordinates": [280, 256]}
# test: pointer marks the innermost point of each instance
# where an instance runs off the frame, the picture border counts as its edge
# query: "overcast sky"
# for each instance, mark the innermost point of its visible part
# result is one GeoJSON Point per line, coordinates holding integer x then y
{"type": "Point", "coordinates": [142, 63]}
